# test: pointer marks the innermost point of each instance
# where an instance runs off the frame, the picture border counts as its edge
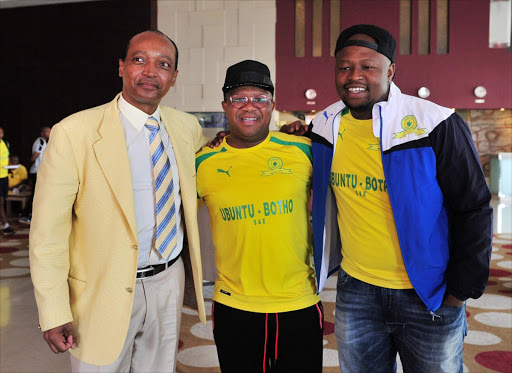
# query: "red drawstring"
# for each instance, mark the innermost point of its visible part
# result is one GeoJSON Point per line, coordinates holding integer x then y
{"type": "Point", "coordinates": [213, 321]}
{"type": "Point", "coordinates": [265, 349]}
{"type": "Point", "coordinates": [319, 315]}
{"type": "Point", "coordinates": [277, 336]}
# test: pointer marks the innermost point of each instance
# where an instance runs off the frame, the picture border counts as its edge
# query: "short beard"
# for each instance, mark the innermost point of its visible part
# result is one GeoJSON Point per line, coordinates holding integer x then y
{"type": "Point", "coordinates": [365, 107]}
{"type": "Point", "coordinates": [362, 110]}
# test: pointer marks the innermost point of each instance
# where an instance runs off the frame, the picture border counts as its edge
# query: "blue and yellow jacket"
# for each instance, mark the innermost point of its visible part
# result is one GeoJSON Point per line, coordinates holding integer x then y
{"type": "Point", "coordinates": [438, 193]}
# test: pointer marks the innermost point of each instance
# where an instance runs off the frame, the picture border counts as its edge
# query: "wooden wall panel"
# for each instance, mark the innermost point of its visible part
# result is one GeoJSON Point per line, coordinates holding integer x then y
{"type": "Point", "coordinates": [300, 28]}
{"type": "Point", "coordinates": [451, 77]}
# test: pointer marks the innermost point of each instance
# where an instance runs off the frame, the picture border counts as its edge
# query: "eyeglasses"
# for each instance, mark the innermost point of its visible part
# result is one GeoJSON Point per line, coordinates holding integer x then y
{"type": "Point", "coordinates": [259, 102]}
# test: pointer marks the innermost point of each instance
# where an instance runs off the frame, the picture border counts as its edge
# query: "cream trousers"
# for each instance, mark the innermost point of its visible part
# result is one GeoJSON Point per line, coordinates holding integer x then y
{"type": "Point", "coordinates": [151, 344]}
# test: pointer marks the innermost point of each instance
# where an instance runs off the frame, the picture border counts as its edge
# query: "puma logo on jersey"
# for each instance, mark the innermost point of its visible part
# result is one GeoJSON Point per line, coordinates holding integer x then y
{"type": "Point", "coordinates": [219, 170]}
{"type": "Point", "coordinates": [340, 134]}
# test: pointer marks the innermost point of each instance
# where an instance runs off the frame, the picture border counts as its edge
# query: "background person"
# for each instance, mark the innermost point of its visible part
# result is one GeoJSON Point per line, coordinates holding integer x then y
{"type": "Point", "coordinates": [38, 149]}
{"type": "Point", "coordinates": [4, 183]}
{"type": "Point", "coordinates": [17, 176]}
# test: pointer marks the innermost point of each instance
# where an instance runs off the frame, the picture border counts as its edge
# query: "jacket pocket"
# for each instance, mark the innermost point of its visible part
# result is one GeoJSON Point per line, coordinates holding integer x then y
{"type": "Point", "coordinates": [77, 288]}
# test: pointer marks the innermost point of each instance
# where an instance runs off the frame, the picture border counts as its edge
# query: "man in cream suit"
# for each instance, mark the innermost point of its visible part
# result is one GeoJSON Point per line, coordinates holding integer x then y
{"type": "Point", "coordinates": [104, 288]}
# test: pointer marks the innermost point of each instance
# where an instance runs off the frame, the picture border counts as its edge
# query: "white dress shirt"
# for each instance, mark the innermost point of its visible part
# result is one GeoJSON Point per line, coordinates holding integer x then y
{"type": "Point", "coordinates": [137, 143]}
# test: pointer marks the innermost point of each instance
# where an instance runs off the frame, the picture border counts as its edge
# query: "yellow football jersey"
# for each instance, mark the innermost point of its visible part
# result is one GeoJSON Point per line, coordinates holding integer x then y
{"type": "Point", "coordinates": [370, 248]}
{"type": "Point", "coordinates": [257, 201]}
{"type": "Point", "coordinates": [4, 159]}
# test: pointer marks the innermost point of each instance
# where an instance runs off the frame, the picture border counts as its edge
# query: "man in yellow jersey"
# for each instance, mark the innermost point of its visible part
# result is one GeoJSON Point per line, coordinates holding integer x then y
{"type": "Point", "coordinates": [17, 176]}
{"type": "Point", "coordinates": [4, 184]}
{"type": "Point", "coordinates": [267, 315]}
{"type": "Point", "coordinates": [398, 179]}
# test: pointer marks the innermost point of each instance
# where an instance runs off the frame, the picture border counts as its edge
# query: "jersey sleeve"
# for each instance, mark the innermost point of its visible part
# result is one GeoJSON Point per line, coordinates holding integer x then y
{"type": "Point", "coordinates": [39, 145]}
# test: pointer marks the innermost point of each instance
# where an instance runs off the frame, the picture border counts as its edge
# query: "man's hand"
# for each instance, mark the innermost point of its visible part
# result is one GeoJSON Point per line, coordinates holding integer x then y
{"type": "Point", "coordinates": [218, 139]}
{"type": "Point", "coordinates": [451, 300]}
{"type": "Point", "coordinates": [60, 339]}
{"type": "Point", "coordinates": [296, 128]}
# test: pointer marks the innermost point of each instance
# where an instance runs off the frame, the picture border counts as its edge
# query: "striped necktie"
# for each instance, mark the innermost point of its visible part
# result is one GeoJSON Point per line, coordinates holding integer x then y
{"type": "Point", "coordinates": [164, 192]}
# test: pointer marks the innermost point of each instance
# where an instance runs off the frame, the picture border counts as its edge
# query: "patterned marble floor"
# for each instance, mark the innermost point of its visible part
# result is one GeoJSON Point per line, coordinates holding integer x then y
{"type": "Point", "coordinates": [488, 346]}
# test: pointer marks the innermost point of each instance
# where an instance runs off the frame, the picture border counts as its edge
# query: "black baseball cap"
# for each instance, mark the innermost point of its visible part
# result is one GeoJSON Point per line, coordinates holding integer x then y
{"type": "Point", "coordinates": [386, 43]}
{"type": "Point", "coordinates": [248, 72]}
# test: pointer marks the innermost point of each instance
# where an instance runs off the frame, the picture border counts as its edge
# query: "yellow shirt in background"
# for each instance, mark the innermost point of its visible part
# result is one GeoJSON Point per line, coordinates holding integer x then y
{"type": "Point", "coordinates": [4, 159]}
{"type": "Point", "coordinates": [17, 175]}
{"type": "Point", "coordinates": [370, 248]}
{"type": "Point", "coordinates": [257, 201]}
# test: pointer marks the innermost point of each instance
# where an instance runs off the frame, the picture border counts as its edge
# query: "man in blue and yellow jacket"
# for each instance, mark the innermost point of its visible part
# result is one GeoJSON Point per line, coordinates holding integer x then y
{"type": "Point", "coordinates": [401, 202]}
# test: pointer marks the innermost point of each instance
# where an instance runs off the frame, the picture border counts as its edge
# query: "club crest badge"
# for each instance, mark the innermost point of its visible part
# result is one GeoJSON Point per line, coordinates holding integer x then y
{"type": "Point", "coordinates": [410, 126]}
{"type": "Point", "coordinates": [275, 165]}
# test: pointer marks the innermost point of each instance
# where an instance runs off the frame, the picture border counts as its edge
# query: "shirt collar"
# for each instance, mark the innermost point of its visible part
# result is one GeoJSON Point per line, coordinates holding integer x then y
{"type": "Point", "coordinates": [134, 115]}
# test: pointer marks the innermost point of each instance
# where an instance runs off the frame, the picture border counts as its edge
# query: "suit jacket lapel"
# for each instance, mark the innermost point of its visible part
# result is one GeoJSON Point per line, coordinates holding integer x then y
{"type": "Point", "coordinates": [112, 157]}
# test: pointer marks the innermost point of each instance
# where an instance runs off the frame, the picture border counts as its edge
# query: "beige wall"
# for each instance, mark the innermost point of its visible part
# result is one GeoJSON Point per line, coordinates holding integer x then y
{"type": "Point", "coordinates": [212, 35]}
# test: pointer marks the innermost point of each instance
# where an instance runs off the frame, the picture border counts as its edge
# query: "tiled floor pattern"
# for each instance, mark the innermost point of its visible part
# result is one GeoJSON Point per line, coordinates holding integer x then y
{"type": "Point", "coordinates": [488, 346]}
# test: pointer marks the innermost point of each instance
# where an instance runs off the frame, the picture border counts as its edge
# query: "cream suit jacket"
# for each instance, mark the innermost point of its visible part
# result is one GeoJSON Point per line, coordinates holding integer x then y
{"type": "Point", "coordinates": [83, 236]}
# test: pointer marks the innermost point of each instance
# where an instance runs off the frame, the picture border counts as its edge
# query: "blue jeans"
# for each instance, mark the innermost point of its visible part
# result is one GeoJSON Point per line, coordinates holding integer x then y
{"type": "Point", "coordinates": [374, 323]}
